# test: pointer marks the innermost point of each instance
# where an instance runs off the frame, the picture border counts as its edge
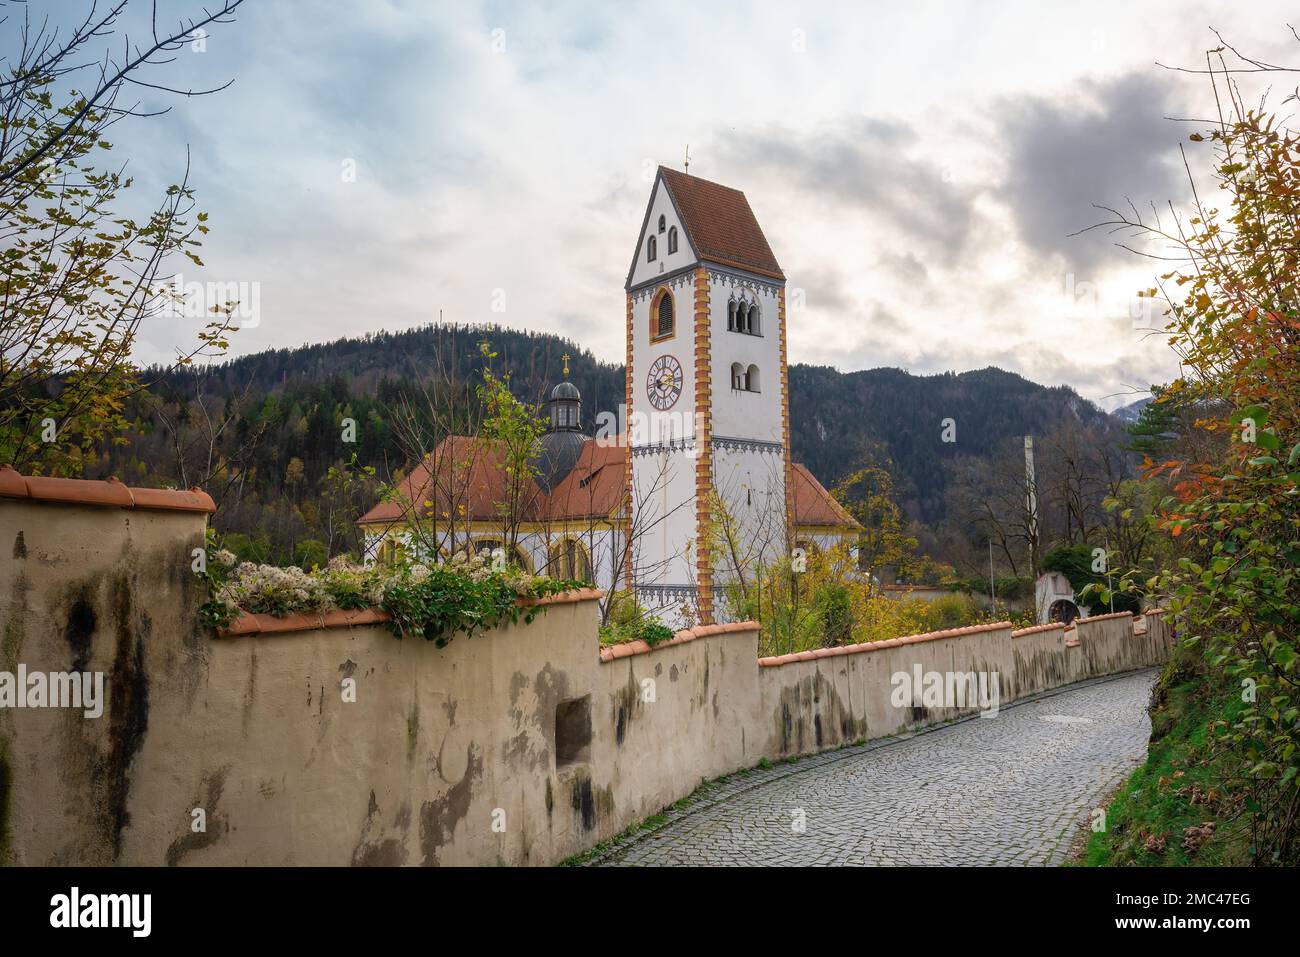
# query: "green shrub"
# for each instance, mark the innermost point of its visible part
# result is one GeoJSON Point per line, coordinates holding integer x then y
{"type": "Point", "coordinates": [464, 596]}
{"type": "Point", "coordinates": [836, 608]}
{"type": "Point", "coordinates": [628, 621]}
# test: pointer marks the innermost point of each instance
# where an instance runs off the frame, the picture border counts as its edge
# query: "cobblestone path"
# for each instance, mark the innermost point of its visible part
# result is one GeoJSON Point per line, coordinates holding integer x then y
{"type": "Point", "coordinates": [1009, 789]}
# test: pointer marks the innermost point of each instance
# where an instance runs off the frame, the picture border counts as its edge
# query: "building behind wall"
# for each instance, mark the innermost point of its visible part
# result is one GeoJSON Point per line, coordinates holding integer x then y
{"type": "Point", "coordinates": [705, 451]}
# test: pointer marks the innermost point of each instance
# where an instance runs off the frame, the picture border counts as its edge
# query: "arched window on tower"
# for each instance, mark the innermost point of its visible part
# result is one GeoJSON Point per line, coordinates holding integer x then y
{"type": "Point", "coordinates": [650, 250]}
{"type": "Point", "coordinates": [672, 240]}
{"type": "Point", "coordinates": [751, 379]}
{"type": "Point", "coordinates": [737, 376]}
{"type": "Point", "coordinates": [663, 315]}
{"type": "Point", "coordinates": [751, 319]}
{"type": "Point", "coordinates": [663, 224]}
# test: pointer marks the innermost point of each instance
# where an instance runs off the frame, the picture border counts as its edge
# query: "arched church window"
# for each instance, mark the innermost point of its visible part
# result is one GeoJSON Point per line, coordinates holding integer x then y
{"type": "Point", "coordinates": [737, 376]}
{"type": "Point", "coordinates": [751, 379]}
{"type": "Point", "coordinates": [663, 223]}
{"type": "Point", "coordinates": [663, 315]}
{"type": "Point", "coordinates": [569, 560]}
{"type": "Point", "coordinates": [751, 319]}
{"type": "Point", "coordinates": [672, 240]}
{"type": "Point", "coordinates": [731, 315]}
{"type": "Point", "coordinates": [650, 252]}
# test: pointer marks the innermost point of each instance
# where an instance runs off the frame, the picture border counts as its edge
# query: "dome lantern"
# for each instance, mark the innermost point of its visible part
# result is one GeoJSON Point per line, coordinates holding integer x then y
{"type": "Point", "coordinates": [566, 405]}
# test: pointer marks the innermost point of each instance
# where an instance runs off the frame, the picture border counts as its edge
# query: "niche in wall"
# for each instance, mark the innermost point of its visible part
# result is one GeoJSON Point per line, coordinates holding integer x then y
{"type": "Point", "coordinates": [573, 732]}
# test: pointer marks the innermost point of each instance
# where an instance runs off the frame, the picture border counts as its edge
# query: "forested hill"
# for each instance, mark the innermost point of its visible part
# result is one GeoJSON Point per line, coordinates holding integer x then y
{"type": "Point", "coordinates": [837, 419]}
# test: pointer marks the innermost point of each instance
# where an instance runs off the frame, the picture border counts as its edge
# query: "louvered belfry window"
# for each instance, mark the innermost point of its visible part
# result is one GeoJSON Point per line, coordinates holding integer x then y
{"type": "Point", "coordinates": [665, 327]}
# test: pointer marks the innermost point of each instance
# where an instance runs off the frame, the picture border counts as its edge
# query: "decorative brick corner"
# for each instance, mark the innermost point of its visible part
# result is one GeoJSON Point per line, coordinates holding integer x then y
{"type": "Point", "coordinates": [704, 446]}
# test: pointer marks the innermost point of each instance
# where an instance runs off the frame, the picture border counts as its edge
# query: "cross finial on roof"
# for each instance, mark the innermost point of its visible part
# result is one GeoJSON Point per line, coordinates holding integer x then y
{"type": "Point", "coordinates": [688, 159]}
{"type": "Point", "coordinates": [565, 357]}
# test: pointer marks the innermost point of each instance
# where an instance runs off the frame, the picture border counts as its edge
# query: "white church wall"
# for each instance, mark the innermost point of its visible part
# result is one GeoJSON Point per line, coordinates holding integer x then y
{"type": "Point", "coordinates": [663, 552]}
{"type": "Point", "coordinates": [661, 204]}
{"type": "Point", "coordinates": [650, 426]}
{"type": "Point", "coordinates": [738, 413]}
{"type": "Point", "coordinates": [752, 484]}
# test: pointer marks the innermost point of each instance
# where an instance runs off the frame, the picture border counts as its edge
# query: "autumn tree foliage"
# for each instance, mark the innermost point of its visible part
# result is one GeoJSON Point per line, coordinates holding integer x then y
{"type": "Point", "coordinates": [78, 275]}
{"type": "Point", "coordinates": [1233, 310]}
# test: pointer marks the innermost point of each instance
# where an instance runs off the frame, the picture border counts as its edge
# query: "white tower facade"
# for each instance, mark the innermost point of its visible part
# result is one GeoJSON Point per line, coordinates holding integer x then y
{"type": "Point", "coordinates": [707, 400]}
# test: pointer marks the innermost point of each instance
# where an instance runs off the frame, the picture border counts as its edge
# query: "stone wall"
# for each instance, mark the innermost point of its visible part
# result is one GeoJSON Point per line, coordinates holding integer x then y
{"type": "Point", "coordinates": [521, 746]}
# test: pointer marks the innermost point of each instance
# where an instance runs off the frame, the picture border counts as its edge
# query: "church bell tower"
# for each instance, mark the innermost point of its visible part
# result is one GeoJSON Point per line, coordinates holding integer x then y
{"type": "Point", "coordinates": [707, 403]}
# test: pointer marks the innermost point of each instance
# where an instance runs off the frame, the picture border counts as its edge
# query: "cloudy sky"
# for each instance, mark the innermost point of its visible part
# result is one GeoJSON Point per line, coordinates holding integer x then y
{"type": "Point", "coordinates": [918, 168]}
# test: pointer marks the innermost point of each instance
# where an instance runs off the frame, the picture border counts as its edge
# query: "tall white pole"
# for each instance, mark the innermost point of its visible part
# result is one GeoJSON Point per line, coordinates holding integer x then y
{"type": "Point", "coordinates": [1031, 503]}
{"type": "Point", "coordinates": [993, 595]}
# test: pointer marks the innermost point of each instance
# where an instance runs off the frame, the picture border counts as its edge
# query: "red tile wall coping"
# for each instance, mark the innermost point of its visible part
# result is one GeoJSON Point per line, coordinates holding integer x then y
{"type": "Point", "coordinates": [109, 493]}
{"type": "Point", "coordinates": [1113, 614]}
{"type": "Point", "coordinates": [1036, 629]}
{"type": "Point", "coordinates": [564, 597]}
{"type": "Point", "coordinates": [247, 625]}
{"type": "Point", "coordinates": [878, 645]}
{"type": "Point", "coordinates": [639, 647]}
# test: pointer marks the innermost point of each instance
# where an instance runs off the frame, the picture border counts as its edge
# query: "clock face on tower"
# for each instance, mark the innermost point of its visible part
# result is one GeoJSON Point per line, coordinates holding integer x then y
{"type": "Point", "coordinates": [664, 383]}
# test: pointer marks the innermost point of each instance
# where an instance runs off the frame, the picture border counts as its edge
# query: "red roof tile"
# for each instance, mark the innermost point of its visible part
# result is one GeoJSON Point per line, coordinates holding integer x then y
{"type": "Point", "coordinates": [471, 482]}
{"type": "Point", "coordinates": [721, 226]}
{"type": "Point", "coordinates": [462, 476]}
{"type": "Point", "coordinates": [813, 505]}
{"type": "Point", "coordinates": [596, 486]}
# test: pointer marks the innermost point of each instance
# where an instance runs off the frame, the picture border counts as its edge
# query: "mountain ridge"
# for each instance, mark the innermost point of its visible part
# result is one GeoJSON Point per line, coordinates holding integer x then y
{"type": "Point", "coordinates": [904, 424]}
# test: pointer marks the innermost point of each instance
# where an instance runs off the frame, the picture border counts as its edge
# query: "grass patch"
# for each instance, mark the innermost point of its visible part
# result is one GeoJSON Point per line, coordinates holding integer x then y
{"type": "Point", "coordinates": [1174, 811]}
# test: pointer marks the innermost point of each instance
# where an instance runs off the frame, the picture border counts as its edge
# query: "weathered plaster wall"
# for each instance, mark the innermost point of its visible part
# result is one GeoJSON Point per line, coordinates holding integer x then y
{"type": "Point", "coordinates": [840, 695]}
{"type": "Point", "coordinates": [521, 746]}
{"type": "Point", "coordinates": [92, 589]}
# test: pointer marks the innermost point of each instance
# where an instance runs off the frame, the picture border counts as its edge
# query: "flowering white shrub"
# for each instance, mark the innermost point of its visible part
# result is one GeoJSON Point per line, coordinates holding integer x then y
{"type": "Point", "coordinates": [465, 594]}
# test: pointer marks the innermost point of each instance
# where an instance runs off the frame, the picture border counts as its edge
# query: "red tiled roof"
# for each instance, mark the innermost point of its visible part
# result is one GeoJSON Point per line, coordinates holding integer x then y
{"type": "Point", "coordinates": [471, 483]}
{"type": "Point", "coordinates": [596, 486]}
{"type": "Point", "coordinates": [721, 226]}
{"type": "Point", "coordinates": [813, 505]}
{"type": "Point", "coordinates": [462, 476]}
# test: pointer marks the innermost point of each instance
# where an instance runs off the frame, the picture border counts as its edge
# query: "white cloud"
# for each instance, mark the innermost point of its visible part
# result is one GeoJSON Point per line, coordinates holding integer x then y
{"type": "Point", "coordinates": [913, 172]}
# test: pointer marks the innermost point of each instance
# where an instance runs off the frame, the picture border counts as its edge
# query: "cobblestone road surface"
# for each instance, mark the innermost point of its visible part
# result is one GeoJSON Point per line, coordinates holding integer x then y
{"type": "Point", "coordinates": [1009, 789]}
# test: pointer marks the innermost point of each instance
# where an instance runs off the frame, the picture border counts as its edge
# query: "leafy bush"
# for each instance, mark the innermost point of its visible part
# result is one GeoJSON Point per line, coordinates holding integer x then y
{"type": "Point", "coordinates": [628, 621]}
{"type": "Point", "coordinates": [1075, 563]}
{"type": "Point", "coordinates": [464, 596]}
{"type": "Point", "coordinates": [829, 603]}
{"type": "Point", "coordinates": [1006, 588]}
{"type": "Point", "coordinates": [836, 609]}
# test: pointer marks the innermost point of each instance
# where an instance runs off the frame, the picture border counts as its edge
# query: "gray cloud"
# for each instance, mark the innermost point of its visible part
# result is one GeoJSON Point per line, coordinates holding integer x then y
{"type": "Point", "coordinates": [1106, 146]}
{"type": "Point", "coordinates": [860, 165]}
